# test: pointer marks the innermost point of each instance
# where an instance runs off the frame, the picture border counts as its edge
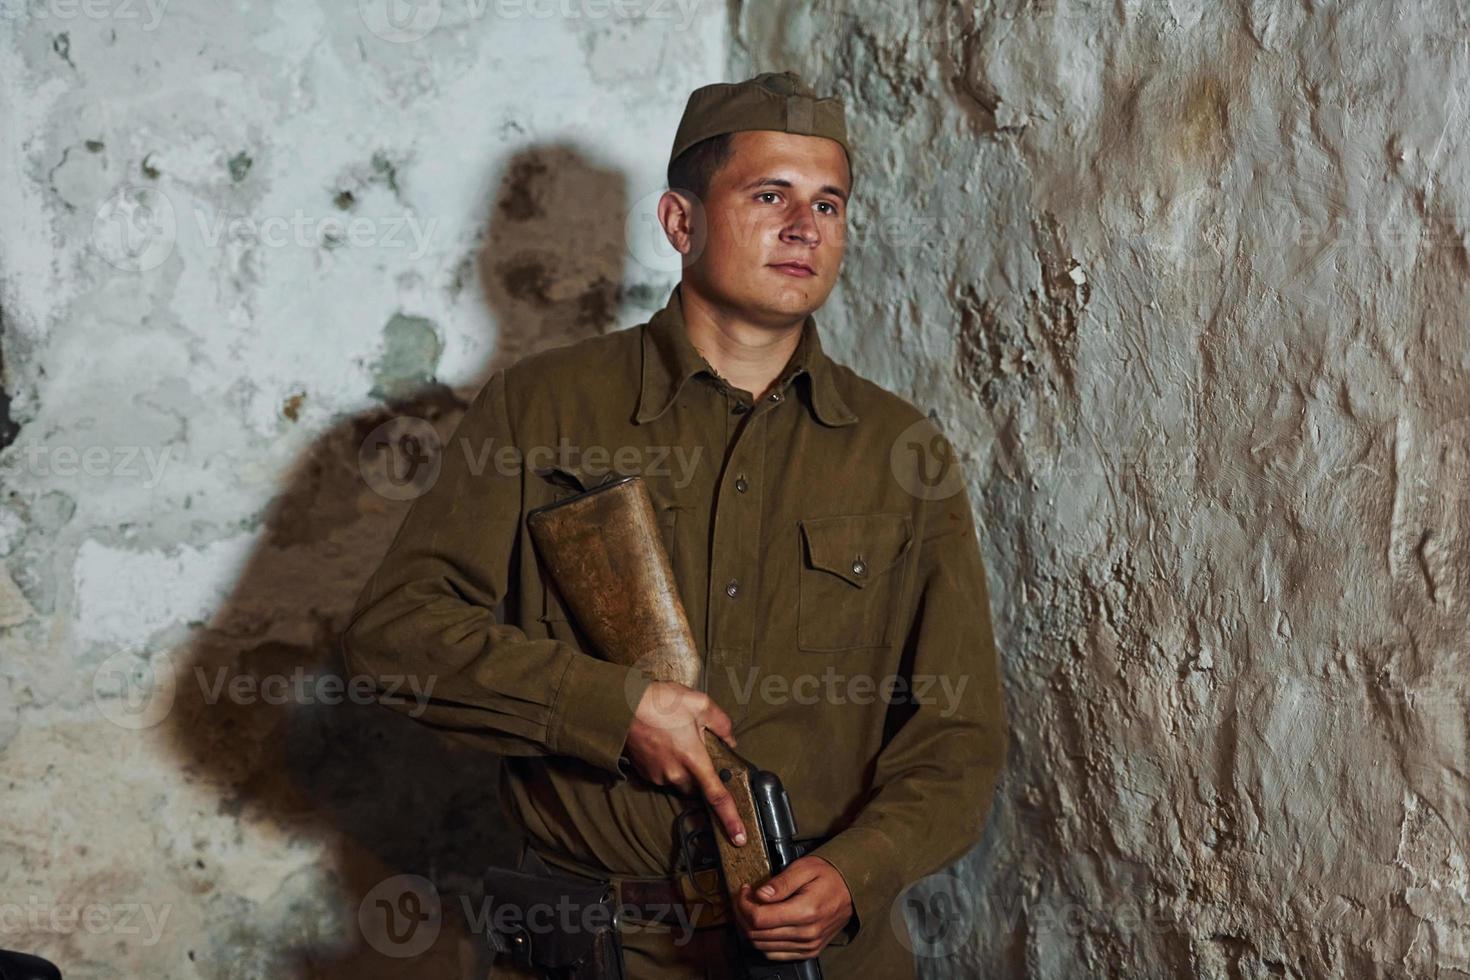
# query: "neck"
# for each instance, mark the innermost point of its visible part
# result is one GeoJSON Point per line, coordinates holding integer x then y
{"type": "Point", "coordinates": [748, 354]}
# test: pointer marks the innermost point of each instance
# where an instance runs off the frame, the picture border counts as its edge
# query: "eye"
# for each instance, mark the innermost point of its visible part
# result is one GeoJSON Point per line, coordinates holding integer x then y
{"type": "Point", "coordinates": [829, 204]}
{"type": "Point", "coordinates": [766, 194]}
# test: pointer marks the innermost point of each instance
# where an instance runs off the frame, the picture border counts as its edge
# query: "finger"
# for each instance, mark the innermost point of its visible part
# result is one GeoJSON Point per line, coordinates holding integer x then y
{"type": "Point", "coordinates": [784, 925]}
{"type": "Point", "coordinates": [802, 946]}
{"type": "Point", "coordinates": [789, 951]}
{"type": "Point", "coordinates": [786, 957]}
{"type": "Point", "coordinates": [718, 796]}
{"type": "Point", "coordinates": [790, 935]}
{"type": "Point", "coordinates": [763, 917]}
{"type": "Point", "coordinates": [714, 718]}
{"type": "Point", "coordinates": [745, 908]}
{"type": "Point", "coordinates": [788, 882]}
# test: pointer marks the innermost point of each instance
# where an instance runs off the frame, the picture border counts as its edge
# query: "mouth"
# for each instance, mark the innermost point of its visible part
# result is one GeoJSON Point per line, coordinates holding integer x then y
{"type": "Point", "coordinates": [799, 269]}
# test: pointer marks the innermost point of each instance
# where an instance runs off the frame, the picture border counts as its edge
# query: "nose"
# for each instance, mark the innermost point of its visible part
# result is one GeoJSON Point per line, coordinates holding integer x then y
{"type": "Point", "coordinates": [802, 228]}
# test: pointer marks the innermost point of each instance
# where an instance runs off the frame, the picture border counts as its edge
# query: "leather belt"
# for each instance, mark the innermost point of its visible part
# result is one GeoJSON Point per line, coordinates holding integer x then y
{"type": "Point", "coordinates": [676, 901]}
{"type": "Point", "coordinates": [672, 901]}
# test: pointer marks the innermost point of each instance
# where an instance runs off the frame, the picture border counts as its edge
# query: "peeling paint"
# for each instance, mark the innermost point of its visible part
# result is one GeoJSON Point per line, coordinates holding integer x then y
{"type": "Point", "coordinates": [239, 165]}
{"type": "Point", "coordinates": [410, 357]}
{"type": "Point", "coordinates": [295, 214]}
{"type": "Point", "coordinates": [292, 408]}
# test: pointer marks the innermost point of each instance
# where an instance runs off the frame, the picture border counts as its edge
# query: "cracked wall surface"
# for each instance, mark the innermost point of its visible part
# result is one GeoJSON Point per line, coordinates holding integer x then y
{"type": "Point", "coordinates": [238, 239]}
{"type": "Point", "coordinates": [1182, 282]}
{"type": "Point", "coordinates": [1185, 282]}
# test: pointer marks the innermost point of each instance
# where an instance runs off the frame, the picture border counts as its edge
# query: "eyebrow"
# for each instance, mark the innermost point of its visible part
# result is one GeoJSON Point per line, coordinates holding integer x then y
{"type": "Point", "coordinates": [782, 182]}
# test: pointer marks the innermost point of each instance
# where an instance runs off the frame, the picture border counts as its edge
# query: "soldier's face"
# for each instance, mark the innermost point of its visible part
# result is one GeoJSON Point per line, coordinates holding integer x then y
{"type": "Point", "coordinates": [777, 204]}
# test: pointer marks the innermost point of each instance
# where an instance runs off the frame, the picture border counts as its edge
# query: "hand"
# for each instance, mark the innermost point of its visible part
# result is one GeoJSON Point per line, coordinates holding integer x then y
{"type": "Point", "coordinates": [809, 905]}
{"type": "Point", "coordinates": [665, 743]}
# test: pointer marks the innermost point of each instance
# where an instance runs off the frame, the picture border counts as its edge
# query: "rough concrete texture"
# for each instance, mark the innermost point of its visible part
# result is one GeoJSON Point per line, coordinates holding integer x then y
{"type": "Point", "coordinates": [237, 238]}
{"type": "Point", "coordinates": [1181, 280]}
{"type": "Point", "coordinates": [1187, 287]}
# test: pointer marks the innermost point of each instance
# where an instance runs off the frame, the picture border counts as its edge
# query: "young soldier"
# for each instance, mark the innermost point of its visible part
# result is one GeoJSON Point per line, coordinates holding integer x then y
{"type": "Point", "coordinates": [823, 545]}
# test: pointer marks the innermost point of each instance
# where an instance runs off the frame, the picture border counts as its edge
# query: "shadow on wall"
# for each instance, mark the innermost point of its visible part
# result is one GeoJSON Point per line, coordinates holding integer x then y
{"type": "Point", "coordinates": [384, 795]}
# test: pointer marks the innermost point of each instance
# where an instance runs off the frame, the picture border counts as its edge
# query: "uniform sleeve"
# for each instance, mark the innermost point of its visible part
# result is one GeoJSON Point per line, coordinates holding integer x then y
{"type": "Point", "coordinates": [425, 620]}
{"type": "Point", "coordinates": [935, 780]}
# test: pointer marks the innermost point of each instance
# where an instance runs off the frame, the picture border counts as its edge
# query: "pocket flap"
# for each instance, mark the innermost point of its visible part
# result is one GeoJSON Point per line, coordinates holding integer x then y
{"type": "Point", "coordinates": [514, 899]}
{"type": "Point", "coordinates": [856, 547]}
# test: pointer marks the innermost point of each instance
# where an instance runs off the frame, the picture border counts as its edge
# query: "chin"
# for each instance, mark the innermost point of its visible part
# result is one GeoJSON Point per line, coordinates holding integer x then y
{"type": "Point", "coordinates": [801, 296]}
{"type": "Point", "coordinates": [790, 301]}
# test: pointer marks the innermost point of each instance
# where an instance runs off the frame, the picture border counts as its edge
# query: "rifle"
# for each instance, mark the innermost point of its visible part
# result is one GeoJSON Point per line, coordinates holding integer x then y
{"type": "Point", "coordinates": [606, 558]}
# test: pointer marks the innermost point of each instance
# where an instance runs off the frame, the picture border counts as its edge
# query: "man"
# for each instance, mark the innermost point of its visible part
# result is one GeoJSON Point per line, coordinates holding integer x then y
{"type": "Point", "coordinates": [821, 539]}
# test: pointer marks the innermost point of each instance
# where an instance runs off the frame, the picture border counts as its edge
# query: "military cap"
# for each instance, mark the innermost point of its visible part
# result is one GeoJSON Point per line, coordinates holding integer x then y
{"type": "Point", "coordinates": [771, 100]}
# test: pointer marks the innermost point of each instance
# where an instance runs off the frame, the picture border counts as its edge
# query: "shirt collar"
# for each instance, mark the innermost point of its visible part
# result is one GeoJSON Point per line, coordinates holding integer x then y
{"type": "Point", "coordinates": [669, 359]}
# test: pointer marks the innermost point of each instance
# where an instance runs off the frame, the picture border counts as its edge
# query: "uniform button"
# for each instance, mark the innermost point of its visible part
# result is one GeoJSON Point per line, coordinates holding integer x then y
{"type": "Point", "coordinates": [775, 396]}
{"type": "Point", "coordinates": [740, 484]}
{"type": "Point", "coordinates": [858, 567]}
{"type": "Point", "coordinates": [732, 589]}
{"type": "Point", "coordinates": [739, 409]}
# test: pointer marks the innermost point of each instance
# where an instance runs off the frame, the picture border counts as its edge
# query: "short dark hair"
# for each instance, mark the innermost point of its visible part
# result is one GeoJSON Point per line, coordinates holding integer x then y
{"type": "Point", "coordinates": [693, 169]}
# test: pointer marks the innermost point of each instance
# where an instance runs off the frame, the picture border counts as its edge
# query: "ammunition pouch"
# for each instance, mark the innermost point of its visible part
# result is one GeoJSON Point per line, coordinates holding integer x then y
{"type": "Point", "coordinates": [558, 926]}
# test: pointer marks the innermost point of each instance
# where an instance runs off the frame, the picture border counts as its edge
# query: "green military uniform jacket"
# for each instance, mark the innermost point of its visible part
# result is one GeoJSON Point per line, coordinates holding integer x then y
{"type": "Point", "coordinates": [818, 567]}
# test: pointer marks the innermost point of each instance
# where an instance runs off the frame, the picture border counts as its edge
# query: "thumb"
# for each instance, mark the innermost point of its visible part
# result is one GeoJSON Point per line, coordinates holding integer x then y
{"type": "Point", "coordinates": [780, 886]}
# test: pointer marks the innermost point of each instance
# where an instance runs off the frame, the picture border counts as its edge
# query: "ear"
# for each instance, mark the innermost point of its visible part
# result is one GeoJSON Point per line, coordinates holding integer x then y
{"type": "Point", "coordinates": [681, 216]}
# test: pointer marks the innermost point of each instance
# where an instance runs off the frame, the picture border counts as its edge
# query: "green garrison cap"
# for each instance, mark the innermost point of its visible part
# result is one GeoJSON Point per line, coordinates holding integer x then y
{"type": "Point", "coordinates": [771, 100]}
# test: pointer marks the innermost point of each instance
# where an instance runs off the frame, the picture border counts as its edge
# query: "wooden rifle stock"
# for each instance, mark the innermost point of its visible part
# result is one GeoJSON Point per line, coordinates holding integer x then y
{"type": "Point", "coordinates": [606, 558]}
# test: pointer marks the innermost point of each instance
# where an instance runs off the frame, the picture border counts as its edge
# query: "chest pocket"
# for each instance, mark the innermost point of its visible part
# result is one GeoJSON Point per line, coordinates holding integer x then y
{"type": "Point", "coordinates": [553, 608]}
{"type": "Point", "coordinates": [849, 579]}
